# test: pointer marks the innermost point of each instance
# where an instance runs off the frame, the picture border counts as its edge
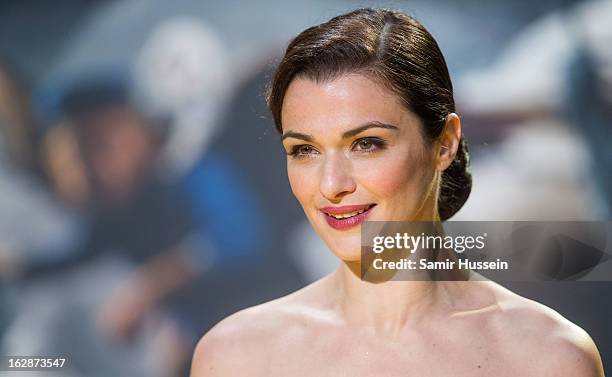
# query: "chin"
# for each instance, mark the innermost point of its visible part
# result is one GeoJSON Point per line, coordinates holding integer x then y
{"type": "Point", "coordinates": [345, 245]}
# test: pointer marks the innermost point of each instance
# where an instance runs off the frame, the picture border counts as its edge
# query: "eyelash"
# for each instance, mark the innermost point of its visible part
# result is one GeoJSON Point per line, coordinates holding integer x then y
{"type": "Point", "coordinates": [377, 144]}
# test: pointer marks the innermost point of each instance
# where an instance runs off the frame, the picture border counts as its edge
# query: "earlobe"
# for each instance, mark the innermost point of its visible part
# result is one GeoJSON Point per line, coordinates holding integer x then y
{"type": "Point", "coordinates": [445, 158]}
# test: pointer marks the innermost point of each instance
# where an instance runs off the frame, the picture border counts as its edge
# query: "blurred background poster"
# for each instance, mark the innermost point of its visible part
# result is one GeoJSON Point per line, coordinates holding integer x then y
{"type": "Point", "coordinates": [143, 194]}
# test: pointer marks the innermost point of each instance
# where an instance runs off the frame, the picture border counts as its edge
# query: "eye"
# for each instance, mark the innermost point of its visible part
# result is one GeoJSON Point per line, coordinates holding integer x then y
{"type": "Point", "coordinates": [302, 150]}
{"type": "Point", "coordinates": [369, 144]}
{"type": "Point", "coordinates": [365, 144]}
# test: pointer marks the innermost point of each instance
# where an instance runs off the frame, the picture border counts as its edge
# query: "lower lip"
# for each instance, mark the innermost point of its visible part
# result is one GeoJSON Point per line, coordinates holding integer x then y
{"type": "Point", "coordinates": [343, 224]}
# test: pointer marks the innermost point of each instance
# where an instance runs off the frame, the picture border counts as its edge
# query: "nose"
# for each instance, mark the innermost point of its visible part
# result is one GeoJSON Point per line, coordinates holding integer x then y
{"type": "Point", "coordinates": [336, 177]}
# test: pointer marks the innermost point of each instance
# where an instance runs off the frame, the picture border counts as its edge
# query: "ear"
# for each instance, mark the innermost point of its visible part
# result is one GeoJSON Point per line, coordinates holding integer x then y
{"type": "Point", "coordinates": [449, 142]}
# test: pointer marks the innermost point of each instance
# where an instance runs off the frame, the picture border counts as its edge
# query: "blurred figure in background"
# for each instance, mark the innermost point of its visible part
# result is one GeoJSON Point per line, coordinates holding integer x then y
{"type": "Point", "coordinates": [32, 226]}
{"type": "Point", "coordinates": [173, 237]}
{"type": "Point", "coordinates": [128, 215]}
{"type": "Point", "coordinates": [183, 71]}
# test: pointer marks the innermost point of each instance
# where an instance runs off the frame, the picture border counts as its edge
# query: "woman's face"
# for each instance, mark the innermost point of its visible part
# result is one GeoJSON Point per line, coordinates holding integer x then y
{"type": "Point", "coordinates": [355, 152]}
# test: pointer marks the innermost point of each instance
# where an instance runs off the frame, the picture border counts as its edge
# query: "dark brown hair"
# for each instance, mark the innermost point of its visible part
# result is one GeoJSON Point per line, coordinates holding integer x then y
{"type": "Point", "coordinates": [395, 50]}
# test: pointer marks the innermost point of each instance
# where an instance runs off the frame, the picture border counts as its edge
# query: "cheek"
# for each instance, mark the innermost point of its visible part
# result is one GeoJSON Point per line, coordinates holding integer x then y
{"type": "Point", "coordinates": [302, 180]}
{"type": "Point", "coordinates": [398, 176]}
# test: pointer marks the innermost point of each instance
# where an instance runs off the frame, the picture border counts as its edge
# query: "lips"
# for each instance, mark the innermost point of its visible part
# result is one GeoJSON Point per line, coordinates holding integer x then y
{"type": "Point", "coordinates": [346, 217]}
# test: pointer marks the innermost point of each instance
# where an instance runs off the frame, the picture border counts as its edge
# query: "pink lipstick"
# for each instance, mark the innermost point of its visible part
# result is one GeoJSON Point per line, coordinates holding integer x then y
{"type": "Point", "coordinates": [346, 217]}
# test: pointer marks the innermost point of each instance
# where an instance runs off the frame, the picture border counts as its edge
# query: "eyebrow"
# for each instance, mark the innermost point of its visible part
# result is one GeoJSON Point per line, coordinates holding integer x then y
{"type": "Point", "coordinates": [345, 135]}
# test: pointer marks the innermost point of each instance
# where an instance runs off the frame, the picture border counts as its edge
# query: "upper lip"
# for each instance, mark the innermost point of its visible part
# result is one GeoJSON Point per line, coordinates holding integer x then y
{"type": "Point", "coordinates": [340, 210]}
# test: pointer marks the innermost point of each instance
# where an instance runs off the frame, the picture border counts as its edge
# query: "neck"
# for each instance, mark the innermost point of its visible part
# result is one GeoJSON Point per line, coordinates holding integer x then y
{"type": "Point", "coordinates": [387, 308]}
{"type": "Point", "coordinates": [384, 309]}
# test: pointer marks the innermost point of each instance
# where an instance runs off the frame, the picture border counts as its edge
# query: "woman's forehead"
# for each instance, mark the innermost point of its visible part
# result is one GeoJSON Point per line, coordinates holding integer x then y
{"type": "Point", "coordinates": [336, 105]}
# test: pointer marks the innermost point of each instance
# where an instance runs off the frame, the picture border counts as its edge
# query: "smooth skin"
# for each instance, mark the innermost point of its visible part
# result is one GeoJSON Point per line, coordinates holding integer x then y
{"type": "Point", "coordinates": [351, 141]}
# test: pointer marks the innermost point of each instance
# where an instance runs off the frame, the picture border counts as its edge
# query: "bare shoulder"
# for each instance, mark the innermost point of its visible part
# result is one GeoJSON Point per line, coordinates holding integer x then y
{"type": "Point", "coordinates": [231, 345]}
{"type": "Point", "coordinates": [548, 342]}
{"type": "Point", "coordinates": [242, 343]}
